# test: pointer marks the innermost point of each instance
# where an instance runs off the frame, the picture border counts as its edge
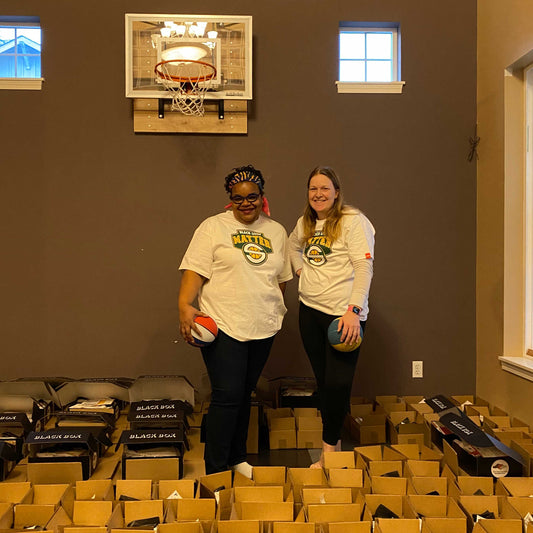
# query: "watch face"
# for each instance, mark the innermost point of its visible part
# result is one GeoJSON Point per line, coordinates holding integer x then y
{"type": "Point", "coordinates": [356, 310]}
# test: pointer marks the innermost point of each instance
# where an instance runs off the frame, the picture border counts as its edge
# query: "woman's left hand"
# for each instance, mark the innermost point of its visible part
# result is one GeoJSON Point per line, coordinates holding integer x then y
{"type": "Point", "coordinates": [350, 326]}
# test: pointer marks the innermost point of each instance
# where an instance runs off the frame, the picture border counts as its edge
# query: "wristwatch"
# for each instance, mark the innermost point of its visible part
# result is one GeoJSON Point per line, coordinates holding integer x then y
{"type": "Point", "coordinates": [354, 309]}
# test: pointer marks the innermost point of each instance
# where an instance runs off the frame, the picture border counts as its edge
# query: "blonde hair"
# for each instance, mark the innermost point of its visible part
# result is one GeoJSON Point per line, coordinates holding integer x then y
{"type": "Point", "coordinates": [332, 227]}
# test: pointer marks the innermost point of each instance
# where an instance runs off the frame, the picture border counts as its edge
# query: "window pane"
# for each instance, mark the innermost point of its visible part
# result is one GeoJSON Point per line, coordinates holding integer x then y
{"type": "Point", "coordinates": [29, 67]}
{"type": "Point", "coordinates": [379, 45]}
{"type": "Point", "coordinates": [33, 34]}
{"type": "Point", "coordinates": [7, 66]}
{"type": "Point", "coordinates": [352, 71]}
{"type": "Point", "coordinates": [379, 71]}
{"type": "Point", "coordinates": [6, 34]}
{"type": "Point", "coordinates": [352, 45]}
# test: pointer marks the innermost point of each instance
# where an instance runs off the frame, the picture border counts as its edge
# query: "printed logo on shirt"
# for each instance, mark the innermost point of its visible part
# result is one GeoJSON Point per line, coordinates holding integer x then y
{"type": "Point", "coordinates": [255, 246]}
{"type": "Point", "coordinates": [317, 248]}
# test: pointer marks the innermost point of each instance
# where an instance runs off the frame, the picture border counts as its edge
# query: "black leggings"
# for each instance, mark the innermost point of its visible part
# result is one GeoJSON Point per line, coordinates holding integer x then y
{"type": "Point", "coordinates": [234, 368]}
{"type": "Point", "coordinates": [334, 371]}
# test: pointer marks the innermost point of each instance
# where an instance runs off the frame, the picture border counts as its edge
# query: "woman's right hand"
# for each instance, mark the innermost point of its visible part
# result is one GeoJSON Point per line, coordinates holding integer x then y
{"type": "Point", "coordinates": [187, 314]}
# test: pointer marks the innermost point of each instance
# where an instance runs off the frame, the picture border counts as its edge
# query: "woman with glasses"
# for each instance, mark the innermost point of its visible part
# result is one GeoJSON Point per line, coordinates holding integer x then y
{"type": "Point", "coordinates": [236, 266]}
{"type": "Point", "coordinates": [332, 251]}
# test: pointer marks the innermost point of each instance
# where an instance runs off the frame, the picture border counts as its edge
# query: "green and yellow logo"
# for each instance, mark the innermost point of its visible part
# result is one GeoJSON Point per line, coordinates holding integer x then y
{"type": "Point", "coordinates": [317, 248]}
{"type": "Point", "coordinates": [255, 246]}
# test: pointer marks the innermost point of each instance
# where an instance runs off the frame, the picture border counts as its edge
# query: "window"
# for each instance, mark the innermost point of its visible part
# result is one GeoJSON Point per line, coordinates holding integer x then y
{"type": "Point", "coordinates": [368, 58]}
{"type": "Point", "coordinates": [517, 356]}
{"type": "Point", "coordinates": [20, 53]}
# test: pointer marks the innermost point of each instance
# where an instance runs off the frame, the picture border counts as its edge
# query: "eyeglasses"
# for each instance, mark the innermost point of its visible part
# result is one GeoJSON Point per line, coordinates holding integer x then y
{"type": "Point", "coordinates": [251, 198]}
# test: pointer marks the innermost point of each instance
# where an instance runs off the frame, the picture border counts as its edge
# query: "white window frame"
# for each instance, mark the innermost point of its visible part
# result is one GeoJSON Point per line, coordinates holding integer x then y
{"type": "Point", "coordinates": [518, 234]}
{"type": "Point", "coordinates": [394, 86]}
{"type": "Point", "coordinates": [528, 214]}
{"type": "Point", "coordinates": [20, 83]}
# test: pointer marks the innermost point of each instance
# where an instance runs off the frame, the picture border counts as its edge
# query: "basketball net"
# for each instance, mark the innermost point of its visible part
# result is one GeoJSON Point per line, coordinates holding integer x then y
{"type": "Point", "coordinates": [188, 81]}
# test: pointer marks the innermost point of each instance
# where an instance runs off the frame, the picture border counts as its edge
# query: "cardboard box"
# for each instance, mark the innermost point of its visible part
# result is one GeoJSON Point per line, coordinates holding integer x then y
{"type": "Point", "coordinates": [389, 485]}
{"type": "Point", "coordinates": [270, 475]}
{"type": "Point", "coordinates": [43, 473]}
{"type": "Point", "coordinates": [95, 489]}
{"type": "Point", "coordinates": [428, 485]}
{"type": "Point", "coordinates": [308, 428]}
{"type": "Point", "coordinates": [368, 429]}
{"type": "Point", "coordinates": [339, 460]}
{"type": "Point", "coordinates": [167, 488]}
{"type": "Point", "coordinates": [440, 513]}
{"type": "Point", "coordinates": [332, 512]}
{"type": "Point", "coordinates": [138, 489]}
{"type": "Point", "coordinates": [350, 527]}
{"type": "Point", "coordinates": [17, 492]}
{"type": "Point", "coordinates": [291, 391]}
{"type": "Point", "coordinates": [240, 526]}
{"type": "Point", "coordinates": [292, 527]}
{"type": "Point", "coordinates": [422, 468]}
{"type": "Point", "coordinates": [97, 513]}
{"type": "Point", "coordinates": [305, 477]}
{"type": "Point", "coordinates": [325, 495]}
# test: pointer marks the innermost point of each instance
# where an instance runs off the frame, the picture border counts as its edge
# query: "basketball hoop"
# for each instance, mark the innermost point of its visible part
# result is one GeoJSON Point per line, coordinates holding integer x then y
{"type": "Point", "coordinates": [188, 81]}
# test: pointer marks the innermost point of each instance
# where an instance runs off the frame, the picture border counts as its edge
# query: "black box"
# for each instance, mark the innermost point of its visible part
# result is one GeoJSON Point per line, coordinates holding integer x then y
{"type": "Point", "coordinates": [64, 446]}
{"type": "Point", "coordinates": [165, 443]}
{"type": "Point", "coordinates": [158, 414]}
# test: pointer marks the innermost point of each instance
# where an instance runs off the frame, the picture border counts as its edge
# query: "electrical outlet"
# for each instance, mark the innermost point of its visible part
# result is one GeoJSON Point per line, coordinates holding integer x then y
{"type": "Point", "coordinates": [418, 369]}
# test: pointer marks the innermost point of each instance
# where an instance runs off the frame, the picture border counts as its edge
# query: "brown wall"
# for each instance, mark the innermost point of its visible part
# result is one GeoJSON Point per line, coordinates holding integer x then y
{"type": "Point", "coordinates": [95, 218]}
{"type": "Point", "coordinates": [504, 36]}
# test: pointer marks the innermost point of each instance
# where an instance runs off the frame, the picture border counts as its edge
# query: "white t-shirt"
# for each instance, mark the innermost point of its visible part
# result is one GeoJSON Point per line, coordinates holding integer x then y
{"type": "Point", "coordinates": [244, 265]}
{"type": "Point", "coordinates": [327, 277]}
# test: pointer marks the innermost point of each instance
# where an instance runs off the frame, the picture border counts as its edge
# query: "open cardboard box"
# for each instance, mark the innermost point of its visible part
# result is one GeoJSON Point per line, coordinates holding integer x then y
{"type": "Point", "coordinates": [138, 489]}
{"type": "Point", "coordinates": [474, 505]}
{"type": "Point", "coordinates": [523, 506]}
{"type": "Point", "coordinates": [180, 527]}
{"type": "Point", "coordinates": [240, 526]}
{"type": "Point", "coordinates": [428, 485]}
{"type": "Point", "coordinates": [142, 509]}
{"type": "Point", "coordinates": [97, 514]}
{"type": "Point", "coordinates": [377, 452]}
{"type": "Point", "coordinates": [498, 526]}
{"type": "Point", "coordinates": [95, 489]}
{"type": "Point", "coordinates": [166, 488]}
{"type": "Point", "coordinates": [397, 525]}
{"type": "Point", "coordinates": [407, 427]}
{"type": "Point", "coordinates": [325, 495]}
{"type": "Point", "coordinates": [15, 492]}
{"type": "Point", "coordinates": [422, 468]}
{"type": "Point", "coordinates": [293, 527]}
{"type": "Point", "coordinates": [381, 468]}
{"type": "Point", "coordinates": [394, 502]}
{"type": "Point", "coordinates": [389, 485]}
{"type": "Point", "coordinates": [270, 475]}
{"type": "Point", "coordinates": [308, 431]}
{"type": "Point", "coordinates": [333, 512]}
{"type": "Point", "coordinates": [305, 477]}
{"type": "Point", "coordinates": [348, 527]}
{"type": "Point", "coordinates": [368, 428]}
{"type": "Point", "coordinates": [441, 513]}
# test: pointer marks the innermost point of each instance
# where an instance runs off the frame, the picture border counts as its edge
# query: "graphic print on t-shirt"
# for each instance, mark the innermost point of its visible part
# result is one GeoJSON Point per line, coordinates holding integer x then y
{"type": "Point", "coordinates": [317, 248]}
{"type": "Point", "coordinates": [255, 246]}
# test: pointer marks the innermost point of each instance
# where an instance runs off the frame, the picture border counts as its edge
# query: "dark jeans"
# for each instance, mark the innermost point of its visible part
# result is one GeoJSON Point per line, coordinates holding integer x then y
{"type": "Point", "coordinates": [334, 371]}
{"type": "Point", "coordinates": [234, 368]}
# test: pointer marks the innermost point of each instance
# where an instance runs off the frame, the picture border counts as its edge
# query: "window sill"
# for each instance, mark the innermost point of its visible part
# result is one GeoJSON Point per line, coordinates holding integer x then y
{"type": "Point", "coordinates": [32, 84]}
{"type": "Point", "coordinates": [395, 87]}
{"type": "Point", "coordinates": [520, 366]}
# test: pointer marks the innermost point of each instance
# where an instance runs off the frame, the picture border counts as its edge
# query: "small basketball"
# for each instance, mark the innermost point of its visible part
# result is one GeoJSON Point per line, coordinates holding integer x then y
{"type": "Point", "coordinates": [208, 331]}
{"type": "Point", "coordinates": [334, 338]}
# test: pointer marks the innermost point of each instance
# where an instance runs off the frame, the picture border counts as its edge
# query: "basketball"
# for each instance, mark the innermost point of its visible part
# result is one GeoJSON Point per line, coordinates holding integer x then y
{"type": "Point", "coordinates": [334, 338]}
{"type": "Point", "coordinates": [208, 331]}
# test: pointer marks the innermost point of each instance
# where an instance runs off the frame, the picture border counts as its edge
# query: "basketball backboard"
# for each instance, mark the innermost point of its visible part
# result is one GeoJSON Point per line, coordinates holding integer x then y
{"type": "Point", "coordinates": [222, 41]}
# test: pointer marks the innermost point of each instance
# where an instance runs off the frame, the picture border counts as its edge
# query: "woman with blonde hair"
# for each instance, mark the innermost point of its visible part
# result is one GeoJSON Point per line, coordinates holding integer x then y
{"type": "Point", "coordinates": [332, 252]}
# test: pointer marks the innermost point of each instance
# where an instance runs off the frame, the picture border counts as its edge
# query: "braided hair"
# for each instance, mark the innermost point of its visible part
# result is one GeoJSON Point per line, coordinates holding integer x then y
{"type": "Point", "coordinates": [245, 173]}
